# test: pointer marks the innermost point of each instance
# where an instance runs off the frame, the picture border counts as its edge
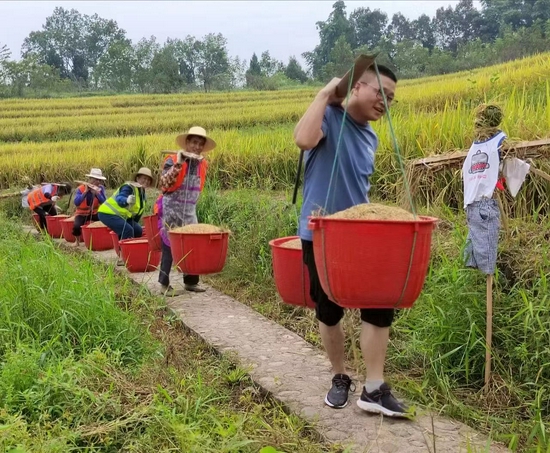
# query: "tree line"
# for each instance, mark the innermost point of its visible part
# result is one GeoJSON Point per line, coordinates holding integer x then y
{"type": "Point", "coordinates": [80, 53]}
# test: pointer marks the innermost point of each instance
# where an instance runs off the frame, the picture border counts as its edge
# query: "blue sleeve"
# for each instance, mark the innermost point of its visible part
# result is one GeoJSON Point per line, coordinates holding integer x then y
{"type": "Point", "coordinates": [101, 195]}
{"type": "Point", "coordinates": [168, 165]}
{"type": "Point", "coordinates": [123, 194]}
{"type": "Point", "coordinates": [78, 197]}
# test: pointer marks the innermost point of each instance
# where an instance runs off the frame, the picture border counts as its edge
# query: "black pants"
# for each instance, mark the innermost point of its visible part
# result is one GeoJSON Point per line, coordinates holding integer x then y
{"type": "Point", "coordinates": [166, 265]}
{"type": "Point", "coordinates": [42, 211]}
{"type": "Point", "coordinates": [80, 220]}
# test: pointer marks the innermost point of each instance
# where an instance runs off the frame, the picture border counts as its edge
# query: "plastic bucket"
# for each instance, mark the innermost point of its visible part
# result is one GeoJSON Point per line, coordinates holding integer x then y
{"type": "Point", "coordinates": [97, 238]}
{"type": "Point", "coordinates": [36, 222]}
{"type": "Point", "coordinates": [290, 273]}
{"type": "Point", "coordinates": [371, 263]}
{"type": "Point", "coordinates": [137, 256]}
{"type": "Point", "coordinates": [199, 253]}
{"type": "Point", "coordinates": [53, 223]}
{"type": "Point", "coordinates": [150, 223]}
{"type": "Point", "coordinates": [116, 243]}
{"type": "Point", "coordinates": [67, 230]}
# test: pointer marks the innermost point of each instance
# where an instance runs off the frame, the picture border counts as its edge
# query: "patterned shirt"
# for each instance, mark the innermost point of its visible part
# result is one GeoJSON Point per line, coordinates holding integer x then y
{"type": "Point", "coordinates": [179, 207]}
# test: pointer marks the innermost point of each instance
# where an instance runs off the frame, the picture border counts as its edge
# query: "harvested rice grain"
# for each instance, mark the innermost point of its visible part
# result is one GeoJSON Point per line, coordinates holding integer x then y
{"type": "Point", "coordinates": [373, 211]}
{"type": "Point", "coordinates": [199, 228]}
{"type": "Point", "coordinates": [293, 244]}
{"type": "Point", "coordinates": [96, 225]}
{"type": "Point", "coordinates": [70, 218]}
{"type": "Point", "coordinates": [137, 241]}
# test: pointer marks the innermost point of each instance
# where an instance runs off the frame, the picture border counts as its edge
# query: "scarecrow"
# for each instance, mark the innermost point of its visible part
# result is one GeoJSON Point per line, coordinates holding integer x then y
{"type": "Point", "coordinates": [481, 174]}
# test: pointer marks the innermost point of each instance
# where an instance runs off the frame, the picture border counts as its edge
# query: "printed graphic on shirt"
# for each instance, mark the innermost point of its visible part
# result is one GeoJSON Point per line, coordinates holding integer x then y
{"type": "Point", "coordinates": [480, 162]}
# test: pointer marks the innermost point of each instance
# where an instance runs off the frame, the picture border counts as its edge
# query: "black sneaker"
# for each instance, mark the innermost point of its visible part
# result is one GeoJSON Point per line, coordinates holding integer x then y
{"type": "Point", "coordinates": [337, 396]}
{"type": "Point", "coordinates": [382, 401]}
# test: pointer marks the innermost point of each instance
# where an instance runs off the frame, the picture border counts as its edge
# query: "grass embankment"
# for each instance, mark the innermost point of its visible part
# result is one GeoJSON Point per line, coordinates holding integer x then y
{"type": "Point", "coordinates": [89, 362]}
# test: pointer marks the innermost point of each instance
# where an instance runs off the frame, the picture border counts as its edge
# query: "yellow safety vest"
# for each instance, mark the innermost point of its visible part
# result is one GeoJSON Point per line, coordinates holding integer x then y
{"type": "Point", "coordinates": [110, 206]}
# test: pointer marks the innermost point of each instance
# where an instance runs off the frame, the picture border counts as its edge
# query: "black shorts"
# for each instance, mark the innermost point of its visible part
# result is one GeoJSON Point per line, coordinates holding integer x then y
{"type": "Point", "coordinates": [326, 310]}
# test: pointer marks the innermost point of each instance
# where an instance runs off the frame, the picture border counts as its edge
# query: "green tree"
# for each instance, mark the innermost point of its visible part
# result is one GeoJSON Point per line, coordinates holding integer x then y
{"type": "Point", "coordinates": [423, 31]}
{"type": "Point", "coordinates": [268, 65]}
{"type": "Point", "coordinates": [400, 28]}
{"type": "Point", "coordinates": [186, 52]}
{"type": "Point", "coordinates": [368, 27]}
{"type": "Point", "coordinates": [341, 60]}
{"type": "Point", "coordinates": [294, 70]}
{"type": "Point", "coordinates": [5, 55]}
{"type": "Point", "coordinates": [330, 31]}
{"type": "Point", "coordinates": [144, 51]}
{"type": "Point", "coordinates": [165, 71]}
{"type": "Point", "coordinates": [213, 64]}
{"type": "Point", "coordinates": [114, 68]}
{"type": "Point", "coordinates": [253, 76]}
{"type": "Point", "coordinates": [30, 76]}
{"type": "Point", "coordinates": [72, 42]}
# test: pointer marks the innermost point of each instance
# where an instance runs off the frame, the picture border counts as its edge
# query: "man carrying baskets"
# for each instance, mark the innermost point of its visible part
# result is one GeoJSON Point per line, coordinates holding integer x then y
{"type": "Point", "coordinates": [323, 130]}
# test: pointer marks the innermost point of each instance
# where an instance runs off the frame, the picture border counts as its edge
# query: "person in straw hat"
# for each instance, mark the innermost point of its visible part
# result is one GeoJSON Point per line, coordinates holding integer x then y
{"type": "Point", "coordinates": [182, 180]}
{"type": "Point", "coordinates": [123, 210]}
{"type": "Point", "coordinates": [87, 199]}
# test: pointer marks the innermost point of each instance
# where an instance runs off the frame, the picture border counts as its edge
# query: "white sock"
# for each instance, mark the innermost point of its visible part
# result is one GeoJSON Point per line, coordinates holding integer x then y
{"type": "Point", "coordinates": [372, 385]}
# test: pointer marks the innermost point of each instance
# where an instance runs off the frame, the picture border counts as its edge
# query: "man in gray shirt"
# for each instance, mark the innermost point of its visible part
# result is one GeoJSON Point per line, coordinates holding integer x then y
{"type": "Point", "coordinates": [318, 133]}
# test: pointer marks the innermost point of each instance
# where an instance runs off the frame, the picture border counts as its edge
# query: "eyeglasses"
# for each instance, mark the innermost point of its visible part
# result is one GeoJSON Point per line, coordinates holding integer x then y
{"type": "Point", "coordinates": [389, 99]}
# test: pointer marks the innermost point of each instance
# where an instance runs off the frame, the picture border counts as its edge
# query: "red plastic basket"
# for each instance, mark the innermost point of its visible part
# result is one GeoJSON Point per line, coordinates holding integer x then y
{"type": "Point", "coordinates": [97, 238]}
{"type": "Point", "coordinates": [290, 273]}
{"type": "Point", "coordinates": [371, 263]}
{"type": "Point", "coordinates": [116, 242]}
{"type": "Point", "coordinates": [53, 223]}
{"type": "Point", "coordinates": [137, 256]}
{"type": "Point", "coordinates": [36, 220]}
{"type": "Point", "coordinates": [67, 230]}
{"type": "Point", "coordinates": [150, 223]}
{"type": "Point", "coordinates": [199, 253]}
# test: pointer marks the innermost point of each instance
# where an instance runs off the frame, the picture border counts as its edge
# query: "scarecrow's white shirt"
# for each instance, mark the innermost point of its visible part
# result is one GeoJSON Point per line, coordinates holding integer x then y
{"type": "Point", "coordinates": [480, 169]}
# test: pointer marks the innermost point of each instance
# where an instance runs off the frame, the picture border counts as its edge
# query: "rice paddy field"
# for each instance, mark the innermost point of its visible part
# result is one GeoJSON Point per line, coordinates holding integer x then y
{"type": "Point", "coordinates": [437, 350]}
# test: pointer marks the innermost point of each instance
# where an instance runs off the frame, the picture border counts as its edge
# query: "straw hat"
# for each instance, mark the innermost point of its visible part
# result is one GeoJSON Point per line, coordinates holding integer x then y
{"type": "Point", "coordinates": [96, 173]}
{"type": "Point", "coordinates": [199, 131]}
{"type": "Point", "coordinates": [144, 171]}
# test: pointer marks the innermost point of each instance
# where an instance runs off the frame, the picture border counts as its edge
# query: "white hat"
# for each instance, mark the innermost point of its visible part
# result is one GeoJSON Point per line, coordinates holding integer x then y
{"type": "Point", "coordinates": [199, 131]}
{"type": "Point", "coordinates": [97, 174]}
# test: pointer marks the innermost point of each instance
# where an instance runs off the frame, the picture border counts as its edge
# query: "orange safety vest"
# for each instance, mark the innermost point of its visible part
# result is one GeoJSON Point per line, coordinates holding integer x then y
{"type": "Point", "coordinates": [37, 198]}
{"type": "Point", "coordinates": [84, 208]}
{"type": "Point", "coordinates": [203, 166]}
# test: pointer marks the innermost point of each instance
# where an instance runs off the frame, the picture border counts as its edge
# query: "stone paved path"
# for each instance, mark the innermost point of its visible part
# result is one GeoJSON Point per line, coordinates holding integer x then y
{"type": "Point", "coordinates": [298, 374]}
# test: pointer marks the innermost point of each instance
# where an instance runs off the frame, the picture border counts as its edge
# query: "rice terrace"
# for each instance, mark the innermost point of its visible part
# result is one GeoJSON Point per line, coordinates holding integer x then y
{"type": "Point", "coordinates": [106, 347]}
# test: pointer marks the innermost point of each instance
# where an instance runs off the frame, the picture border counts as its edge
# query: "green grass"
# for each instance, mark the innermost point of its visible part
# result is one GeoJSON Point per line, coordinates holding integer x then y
{"type": "Point", "coordinates": [90, 362]}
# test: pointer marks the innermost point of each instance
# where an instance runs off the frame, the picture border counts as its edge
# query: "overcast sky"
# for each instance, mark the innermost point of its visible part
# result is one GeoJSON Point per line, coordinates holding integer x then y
{"type": "Point", "coordinates": [284, 28]}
